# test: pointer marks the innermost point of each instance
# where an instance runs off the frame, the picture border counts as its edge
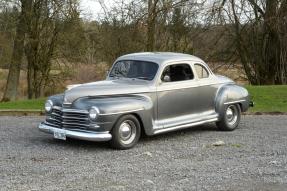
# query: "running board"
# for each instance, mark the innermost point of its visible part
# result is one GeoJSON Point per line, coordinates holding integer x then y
{"type": "Point", "coordinates": [164, 130]}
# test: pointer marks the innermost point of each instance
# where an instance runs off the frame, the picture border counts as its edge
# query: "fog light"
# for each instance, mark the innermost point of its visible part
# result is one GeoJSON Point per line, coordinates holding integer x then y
{"type": "Point", "coordinates": [48, 106]}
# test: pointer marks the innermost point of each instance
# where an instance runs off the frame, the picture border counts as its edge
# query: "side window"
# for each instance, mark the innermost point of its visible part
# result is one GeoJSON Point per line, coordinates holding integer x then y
{"type": "Point", "coordinates": [201, 71]}
{"type": "Point", "coordinates": [177, 72]}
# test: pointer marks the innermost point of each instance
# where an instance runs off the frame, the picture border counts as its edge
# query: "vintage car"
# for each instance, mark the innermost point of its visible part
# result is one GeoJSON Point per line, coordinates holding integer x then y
{"type": "Point", "coordinates": [148, 93]}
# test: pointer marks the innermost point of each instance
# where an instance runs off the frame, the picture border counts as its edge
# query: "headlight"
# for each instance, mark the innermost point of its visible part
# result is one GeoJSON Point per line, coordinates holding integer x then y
{"type": "Point", "coordinates": [93, 114]}
{"type": "Point", "coordinates": [48, 106]}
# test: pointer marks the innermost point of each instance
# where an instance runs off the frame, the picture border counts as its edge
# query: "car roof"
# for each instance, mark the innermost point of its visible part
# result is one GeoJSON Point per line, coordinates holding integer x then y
{"type": "Point", "coordinates": [160, 57]}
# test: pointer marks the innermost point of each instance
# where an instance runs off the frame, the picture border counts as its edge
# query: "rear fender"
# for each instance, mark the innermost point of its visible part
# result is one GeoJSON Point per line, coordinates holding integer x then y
{"type": "Point", "coordinates": [231, 94]}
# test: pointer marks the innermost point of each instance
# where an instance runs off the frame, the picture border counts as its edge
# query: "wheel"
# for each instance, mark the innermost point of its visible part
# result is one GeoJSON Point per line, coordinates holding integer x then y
{"type": "Point", "coordinates": [126, 132]}
{"type": "Point", "coordinates": [230, 119]}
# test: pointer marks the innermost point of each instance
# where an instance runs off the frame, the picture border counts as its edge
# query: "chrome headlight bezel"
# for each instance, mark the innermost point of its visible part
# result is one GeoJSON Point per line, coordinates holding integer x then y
{"type": "Point", "coordinates": [49, 106]}
{"type": "Point", "coordinates": [93, 113]}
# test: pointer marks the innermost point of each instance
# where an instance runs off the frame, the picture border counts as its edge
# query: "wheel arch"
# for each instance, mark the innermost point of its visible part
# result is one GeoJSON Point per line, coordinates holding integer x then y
{"type": "Point", "coordinates": [140, 121]}
{"type": "Point", "coordinates": [144, 121]}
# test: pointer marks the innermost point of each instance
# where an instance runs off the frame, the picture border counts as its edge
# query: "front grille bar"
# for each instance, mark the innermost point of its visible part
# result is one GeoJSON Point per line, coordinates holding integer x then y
{"type": "Point", "coordinates": [75, 118]}
{"type": "Point", "coordinates": [75, 124]}
{"type": "Point", "coordinates": [68, 118]}
{"type": "Point", "coordinates": [75, 111]}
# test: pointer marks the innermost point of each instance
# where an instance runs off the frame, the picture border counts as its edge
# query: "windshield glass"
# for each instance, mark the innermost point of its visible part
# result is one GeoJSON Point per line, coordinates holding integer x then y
{"type": "Point", "coordinates": [134, 69]}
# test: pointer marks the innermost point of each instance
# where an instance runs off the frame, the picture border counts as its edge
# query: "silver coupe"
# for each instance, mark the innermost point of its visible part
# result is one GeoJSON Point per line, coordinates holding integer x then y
{"type": "Point", "coordinates": [146, 93]}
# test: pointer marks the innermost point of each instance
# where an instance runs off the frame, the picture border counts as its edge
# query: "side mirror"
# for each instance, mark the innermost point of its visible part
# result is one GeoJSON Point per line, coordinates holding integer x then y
{"type": "Point", "coordinates": [166, 78]}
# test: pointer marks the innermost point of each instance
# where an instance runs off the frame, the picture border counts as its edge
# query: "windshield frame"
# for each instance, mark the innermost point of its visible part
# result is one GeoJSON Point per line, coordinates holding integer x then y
{"type": "Point", "coordinates": [117, 61]}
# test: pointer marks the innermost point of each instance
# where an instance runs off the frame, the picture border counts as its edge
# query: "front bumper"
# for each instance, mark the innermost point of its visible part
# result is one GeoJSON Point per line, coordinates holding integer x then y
{"type": "Point", "coordinates": [78, 134]}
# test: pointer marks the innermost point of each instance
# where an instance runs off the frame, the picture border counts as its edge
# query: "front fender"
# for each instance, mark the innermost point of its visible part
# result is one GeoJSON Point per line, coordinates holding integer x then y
{"type": "Point", "coordinates": [113, 107]}
{"type": "Point", "coordinates": [231, 94]}
{"type": "Point", "coordinates": [57, 99]}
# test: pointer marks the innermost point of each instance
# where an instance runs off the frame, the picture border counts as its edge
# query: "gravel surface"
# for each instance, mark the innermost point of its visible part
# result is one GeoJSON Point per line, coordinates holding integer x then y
{"type": "Point", "coordinates": [253, 157]}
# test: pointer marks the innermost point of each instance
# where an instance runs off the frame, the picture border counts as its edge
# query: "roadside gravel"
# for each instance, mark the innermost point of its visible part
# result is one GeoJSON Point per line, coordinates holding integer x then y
{"type": "Point", "coordinates": [253, 157]}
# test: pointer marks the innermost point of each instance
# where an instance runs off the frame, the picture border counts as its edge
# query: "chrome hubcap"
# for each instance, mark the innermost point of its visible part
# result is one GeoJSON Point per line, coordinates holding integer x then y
{"type": "Point", "coordinates": [231, 114]}
{"type": "Point", "coordinates": [127, 131]}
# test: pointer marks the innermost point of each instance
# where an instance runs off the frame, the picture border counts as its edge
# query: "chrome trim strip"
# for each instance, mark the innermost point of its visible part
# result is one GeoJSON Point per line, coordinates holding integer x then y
{"type": "Point", "coordinates": [87, 112]}
{"type": "Point", "coordinates": [121, 112]}
{"type": "Point", "coordinates": [75, 118]}
{"type": "Point", "coordinates": [53, 119]}
{"type": "Point", "coordinates": [47, 123]}
{"type": "Point", "coordinates": [77, 124]}
{"type": "Point", "coordinates": [57, 108]}
{"type": "Point", "coordinates": [231, 102]}
{"type": "Point", "coordinates": [184, 126]}
{"type": "Point", "coordinates": [67, 103]}
{"type": "Point", "coordinates": [75, 111]}
{"type": "Point", "coordinates": [70, 110]}
{"type": "Point", "coordinates": [78, 134]}
{"type": "Point", "coordinates": [56, 114]}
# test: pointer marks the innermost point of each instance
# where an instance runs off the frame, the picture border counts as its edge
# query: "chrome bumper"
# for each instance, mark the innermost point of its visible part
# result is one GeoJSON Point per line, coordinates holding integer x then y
{"type": "Point", "coordinates": [82, 135]}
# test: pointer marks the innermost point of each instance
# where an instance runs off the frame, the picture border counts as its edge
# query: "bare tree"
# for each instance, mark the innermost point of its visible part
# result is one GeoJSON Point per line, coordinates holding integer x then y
{"type": "Point", "coordinates": [260, 36]}
{"type": "Point", "coordinates": [48, 18]}
{"type": "Point", "coordinates": [16, 60]}
{"type": "Point", "coordinates": [151, 23]}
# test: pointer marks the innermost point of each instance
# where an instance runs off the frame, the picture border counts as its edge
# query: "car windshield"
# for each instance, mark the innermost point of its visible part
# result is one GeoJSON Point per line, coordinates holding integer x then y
{"type": "Point", "coordinates": [134, 69]}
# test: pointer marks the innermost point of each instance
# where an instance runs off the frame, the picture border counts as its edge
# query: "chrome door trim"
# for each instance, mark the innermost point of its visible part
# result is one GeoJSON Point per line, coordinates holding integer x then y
{"type": "Point", "coordinates": [184, 126]}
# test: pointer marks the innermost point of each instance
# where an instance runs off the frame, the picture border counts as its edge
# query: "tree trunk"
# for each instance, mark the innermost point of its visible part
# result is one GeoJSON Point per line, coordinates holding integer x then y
{"type": "Point", "coordinates": [151, 21]}
{"type": "Point", "coordinates": [271, 50]}
{"type": "Point", "coordinates": [240, 47]}
{"type": "Point", "coordinates": [261, 45]}
{"type": "Point", "coordinates": [10, 93]}
{"type": "Point", "coordinates": [30, 81]}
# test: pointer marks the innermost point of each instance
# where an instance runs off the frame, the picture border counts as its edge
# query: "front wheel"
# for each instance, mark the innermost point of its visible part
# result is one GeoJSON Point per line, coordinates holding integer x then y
{"type": "Point", "coordinates": [126, 132]}
{"type": "Point", "coordinates": [230, 119]}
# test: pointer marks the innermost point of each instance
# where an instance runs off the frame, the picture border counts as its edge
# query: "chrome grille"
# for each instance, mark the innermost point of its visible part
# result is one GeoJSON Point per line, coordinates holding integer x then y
{"type": "Point", "coordinates": [68, 118]}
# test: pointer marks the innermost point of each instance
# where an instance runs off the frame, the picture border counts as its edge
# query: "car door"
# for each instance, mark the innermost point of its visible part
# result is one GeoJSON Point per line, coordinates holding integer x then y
{"type": "Point", "coordinates": [207, 88]}
{"type": "Point", "coordinates": [176, 96]}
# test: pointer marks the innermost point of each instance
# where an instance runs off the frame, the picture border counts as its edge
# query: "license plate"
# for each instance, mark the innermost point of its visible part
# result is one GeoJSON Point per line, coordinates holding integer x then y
{"type": "Point", "coordinates": [60, 134]}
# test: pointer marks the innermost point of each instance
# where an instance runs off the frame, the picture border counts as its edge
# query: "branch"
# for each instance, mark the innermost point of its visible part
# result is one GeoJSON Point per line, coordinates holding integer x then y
{"type": "Point", "coordinates": [256, 6]}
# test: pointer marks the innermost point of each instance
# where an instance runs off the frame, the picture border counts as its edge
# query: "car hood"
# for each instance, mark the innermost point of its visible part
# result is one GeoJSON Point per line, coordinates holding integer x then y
{"type": "Point", "coordinates": [106, 87]}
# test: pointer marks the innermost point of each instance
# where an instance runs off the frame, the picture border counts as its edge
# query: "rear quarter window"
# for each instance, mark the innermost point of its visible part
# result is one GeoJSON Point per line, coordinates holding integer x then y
{"type": "Point", "coordinates": [201, 71]}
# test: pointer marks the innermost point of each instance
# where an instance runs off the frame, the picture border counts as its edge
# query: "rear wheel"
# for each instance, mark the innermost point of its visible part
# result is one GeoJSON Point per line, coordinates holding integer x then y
{"type": "Point", "coordinates": [126, 132]}
{"type": "Point", "coordinates": [230, 119]}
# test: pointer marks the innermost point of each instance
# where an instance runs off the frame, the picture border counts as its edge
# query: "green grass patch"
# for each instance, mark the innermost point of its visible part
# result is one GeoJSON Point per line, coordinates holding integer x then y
{"type": "Point", "coordinates": [36, 104]}
{"type": "Point", "coordinates": [268, 98]}
{"type": "Point", "coordinates": [237, 145]}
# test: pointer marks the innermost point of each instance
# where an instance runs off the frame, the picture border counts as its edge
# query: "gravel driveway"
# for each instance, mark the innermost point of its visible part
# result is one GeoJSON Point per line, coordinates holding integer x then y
{"type": "Point", "coordinates": [254, 157]}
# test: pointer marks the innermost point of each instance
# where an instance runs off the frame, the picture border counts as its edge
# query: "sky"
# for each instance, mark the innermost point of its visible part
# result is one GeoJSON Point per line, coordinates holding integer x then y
{"type": "Point", "coordinates": [91, 9]}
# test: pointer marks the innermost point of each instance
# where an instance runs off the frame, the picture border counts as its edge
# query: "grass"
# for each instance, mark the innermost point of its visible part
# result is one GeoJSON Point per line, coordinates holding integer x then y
{"type": "Point", "coordinates": [36, 104]}
{"type": "Point", "coordinates": [266, 98]}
